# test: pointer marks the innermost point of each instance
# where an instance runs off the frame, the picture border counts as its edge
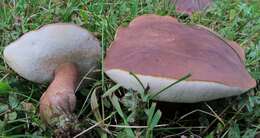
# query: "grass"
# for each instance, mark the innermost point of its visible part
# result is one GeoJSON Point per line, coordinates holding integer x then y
{"type": "Point", "coordinates": [101, 113]}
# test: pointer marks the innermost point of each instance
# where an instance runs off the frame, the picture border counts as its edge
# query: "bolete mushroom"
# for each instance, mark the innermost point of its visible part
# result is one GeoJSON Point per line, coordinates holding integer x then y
{"type": "Point", "coordinates": [60, 53]}
{"type": "Point", "coordinates": [190, 6]}
{"type": "Point", "coordinates": [159, 51]}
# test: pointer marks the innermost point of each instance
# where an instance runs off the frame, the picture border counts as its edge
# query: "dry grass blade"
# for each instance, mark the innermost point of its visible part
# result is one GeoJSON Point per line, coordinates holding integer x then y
{"type": "Point", "coordinates": [170, 136]}
{"type": "Point", "coordinates": [194, 111]}
{"type": "Point", "coordinates": [135, 127]}
{"type": "Point", "coordinates": [97, 124]}
{"type": "Point", "coordinates": [211, 124]}
{"type": "Point", "coordinates": [84, 77]}
{"type": "Point", "coordinates": [216, 115]}
{"type": "Point", "coordinates": [94, 106]}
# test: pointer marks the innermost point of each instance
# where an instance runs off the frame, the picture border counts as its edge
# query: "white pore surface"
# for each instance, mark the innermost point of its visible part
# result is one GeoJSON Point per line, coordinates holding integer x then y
{"type": "Point", "coordinates": [38, 53]}
{"type": "Point", "coordinates": [183, 92]}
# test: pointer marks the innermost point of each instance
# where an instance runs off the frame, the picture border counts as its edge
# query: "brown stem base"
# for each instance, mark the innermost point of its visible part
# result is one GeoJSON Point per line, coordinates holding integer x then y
{"type": "Point", "coordinates": [58, 101]}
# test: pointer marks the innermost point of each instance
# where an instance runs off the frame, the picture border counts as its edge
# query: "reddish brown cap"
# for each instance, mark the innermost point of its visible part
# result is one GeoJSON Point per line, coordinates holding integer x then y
{"type": "Point", "coordinates": [190, 6]}
{"type": "Point", "coordinates": [161, 47]}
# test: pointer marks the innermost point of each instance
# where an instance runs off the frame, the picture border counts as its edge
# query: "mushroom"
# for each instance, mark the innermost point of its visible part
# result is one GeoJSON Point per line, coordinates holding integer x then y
{"type": "Point", "coordinates": [60, 53]}
{"type": "Point", "coordinates": [159, 51]}
{"type": "Point", "coordinates": [190, 6]}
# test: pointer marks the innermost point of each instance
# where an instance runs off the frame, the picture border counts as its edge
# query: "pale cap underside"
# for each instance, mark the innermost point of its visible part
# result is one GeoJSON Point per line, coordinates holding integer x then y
{"type": "Point", "coordinates": [183, 92]}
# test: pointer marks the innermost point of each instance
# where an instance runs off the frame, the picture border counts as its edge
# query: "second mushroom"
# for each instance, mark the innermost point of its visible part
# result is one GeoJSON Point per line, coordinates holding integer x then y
{"type": "Point", "coordinates": [190, 6]}
{"type": "Point", "coordinates": [160, 50]}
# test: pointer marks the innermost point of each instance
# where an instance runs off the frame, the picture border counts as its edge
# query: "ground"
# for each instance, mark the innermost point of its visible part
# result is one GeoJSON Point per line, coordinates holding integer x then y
{"type": "Point", "coordinates": [237, 20]}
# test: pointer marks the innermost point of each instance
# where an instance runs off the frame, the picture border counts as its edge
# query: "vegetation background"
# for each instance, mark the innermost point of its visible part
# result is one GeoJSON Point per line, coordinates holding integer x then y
{"type": "Point", "coordinates": [132, 115]}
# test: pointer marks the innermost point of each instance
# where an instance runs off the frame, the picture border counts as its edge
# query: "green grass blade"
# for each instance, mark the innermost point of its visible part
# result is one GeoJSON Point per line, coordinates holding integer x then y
{"type": "Point", "coordinates": [139, 81]}
{"type": "Point", "coordinates": [174, 83]}
{"type": "Point", "coordinates": [4, 88]}
{"type": "Point", "coordinates": [117, 106]}
{"type": "Point", "coordinates": [111, 90]}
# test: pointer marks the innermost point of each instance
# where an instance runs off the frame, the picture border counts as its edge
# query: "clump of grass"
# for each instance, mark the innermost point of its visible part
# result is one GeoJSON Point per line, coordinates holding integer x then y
{"type": "Point", "coordinates": [106, 110]}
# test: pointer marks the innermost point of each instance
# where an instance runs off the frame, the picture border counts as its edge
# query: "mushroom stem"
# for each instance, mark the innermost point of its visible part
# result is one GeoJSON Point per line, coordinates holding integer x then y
{"type": "Point", "coordinates": [58, 101]}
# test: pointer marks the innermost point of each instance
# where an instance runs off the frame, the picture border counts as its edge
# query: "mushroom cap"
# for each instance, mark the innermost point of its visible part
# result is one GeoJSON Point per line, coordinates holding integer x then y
{"type": "Point", "coordinates": [37, 54]}
{"type": "Point", "coordinates": [160, 50]}
{"type": "Point", "coordinates": [190, 6]}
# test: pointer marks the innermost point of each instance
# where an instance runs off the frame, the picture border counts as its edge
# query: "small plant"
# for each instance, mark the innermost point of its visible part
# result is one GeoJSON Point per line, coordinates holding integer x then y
{"type": "Point", "coordinates": [141, 111]}
{"type": "Point", "coordinates": [17, 113]}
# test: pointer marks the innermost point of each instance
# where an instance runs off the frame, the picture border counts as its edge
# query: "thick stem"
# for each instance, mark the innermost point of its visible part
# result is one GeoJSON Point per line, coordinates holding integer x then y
{"type": "Point", "coordinates": [59, 100]}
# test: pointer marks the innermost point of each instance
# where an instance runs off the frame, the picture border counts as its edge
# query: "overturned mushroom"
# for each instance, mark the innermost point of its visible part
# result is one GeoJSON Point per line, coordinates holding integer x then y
{"type": "Point", "coordinates": [160, 50]}
{"type": "Point", "coordinates": [60, 53]}
{"type": "Point", "coordinates": [190, 6]}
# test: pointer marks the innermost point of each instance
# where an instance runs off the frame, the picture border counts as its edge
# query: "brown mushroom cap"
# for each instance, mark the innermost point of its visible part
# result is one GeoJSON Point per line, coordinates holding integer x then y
{"type": "Point", "coordinates": [190, 6]}
{"type": "Point", "coordinates": [160, 50]}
